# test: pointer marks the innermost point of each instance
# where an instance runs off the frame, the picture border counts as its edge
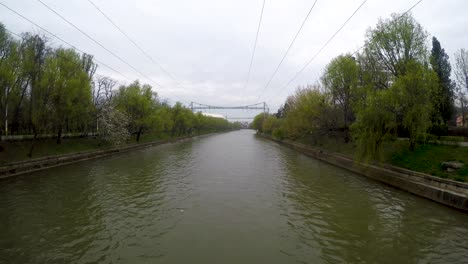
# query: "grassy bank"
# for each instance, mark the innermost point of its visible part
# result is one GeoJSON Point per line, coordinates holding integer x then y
{"type": "Point", "coordinates": [426, 158]}
{"type": "Point", "coordinates": [18, 150]}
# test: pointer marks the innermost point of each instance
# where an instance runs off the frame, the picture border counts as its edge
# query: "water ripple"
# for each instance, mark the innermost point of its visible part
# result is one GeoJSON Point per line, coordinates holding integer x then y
{"type": "Point", "coordinates": [230, 198]}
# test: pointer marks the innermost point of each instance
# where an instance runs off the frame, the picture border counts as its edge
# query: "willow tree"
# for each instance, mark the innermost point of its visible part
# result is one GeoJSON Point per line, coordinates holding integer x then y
{"type": "Point", "coordinates": [374, 124]}
{"type": "Point", "coordinates": [69, 89]}
{"type": "Point", "coordinates": [35, 53]}
{"type": "Point", "coordinates": [412, 94]}
{"type": "Point", "coordinates": [10, 74]}
{"type": "Point", "coordinates": [183, 120]}
{"type": "Point", "coordinates": [138, 102]}
{"type": "Point", "coordinates": [407, 103]}
{"type": "Point", "coordinates": [309, 112]}
{"type": "Point", "coordinates": [341, 79]}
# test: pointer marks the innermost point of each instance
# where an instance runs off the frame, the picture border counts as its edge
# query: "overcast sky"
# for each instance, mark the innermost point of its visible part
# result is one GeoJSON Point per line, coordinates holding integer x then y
{"type": "Point", "coordinates": [207, 44]}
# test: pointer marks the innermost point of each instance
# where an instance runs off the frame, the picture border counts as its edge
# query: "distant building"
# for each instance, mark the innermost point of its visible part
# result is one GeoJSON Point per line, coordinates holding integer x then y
{"type": "Point", "coordinates": [214, 115]}
{"type": "Point", "coordinates": [460, 121]}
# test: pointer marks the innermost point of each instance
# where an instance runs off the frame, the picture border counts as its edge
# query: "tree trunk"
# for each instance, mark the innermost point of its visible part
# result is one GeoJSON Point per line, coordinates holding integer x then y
{"type": "Point", "coordinates": [462, 108]}
{"type": "Point", "coordinates": [412, 145]}
{"type": "Point", "coordinates": [31, 148]}
{"type": "Point", "coordinates": [347, 135]}
{"type": "Point", "coordinates": [59, 136]}
{"type": "Point", "coordinates": [138, 135]}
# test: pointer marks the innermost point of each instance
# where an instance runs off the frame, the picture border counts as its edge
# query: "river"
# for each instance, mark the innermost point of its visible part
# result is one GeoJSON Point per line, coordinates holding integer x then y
{"type": "Point", "coordinates": [225, 198]}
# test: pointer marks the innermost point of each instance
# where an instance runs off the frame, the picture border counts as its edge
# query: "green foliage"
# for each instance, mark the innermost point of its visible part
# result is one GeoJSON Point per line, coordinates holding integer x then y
{"type": "Point", "coordinates": [444, 95]}
{"type": "Point", "coordinates": [257, 123]}
{"type": "Point", "coordinates": [69, 89]}
{"type": "Point", "coordinates": [10, 76]}
{"type": "Point", "coordinates": [138, 102]}
{"type": "Point", "coordinates": [269, 124]}
{"type": "Point", "coordinates": [395, 42]}
{"type": "Point", "coordinates": [412, 96]}
{"type": "Point", "coordinates": [53, 90]}
{"type": "Point", "coordinates": [341, 79]}
{"type": "Point", "coordinates": [279, 132]}
{"type": "Point", "coordinates": [374, 124]}
{"type": "Point", "coordinates": [309, 111]}
{"type": "Point", "coordinates": [183, 120]}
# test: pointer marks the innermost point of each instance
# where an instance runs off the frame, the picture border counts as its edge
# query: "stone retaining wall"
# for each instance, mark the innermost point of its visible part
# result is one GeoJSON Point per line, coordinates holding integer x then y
{"type": "Point", "coordinates": [27, 166]}
{"type": "Point", "coordinates": [44, 136]}
{"type": "Point", "coordinates": [444, 191]}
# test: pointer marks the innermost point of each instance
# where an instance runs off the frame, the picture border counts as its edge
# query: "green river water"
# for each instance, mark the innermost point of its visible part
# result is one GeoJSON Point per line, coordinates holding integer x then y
{"type": "Point", "coordinates": [226, 198]}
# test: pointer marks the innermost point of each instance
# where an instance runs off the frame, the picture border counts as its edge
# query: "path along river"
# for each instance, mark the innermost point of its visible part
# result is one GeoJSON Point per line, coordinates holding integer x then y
{"type": "Point", "coordinates": [225, 198]}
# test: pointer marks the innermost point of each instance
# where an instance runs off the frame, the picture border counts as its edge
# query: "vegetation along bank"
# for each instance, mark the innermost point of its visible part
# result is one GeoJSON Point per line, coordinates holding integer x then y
{"type": "Point", "coordinates": [396, 101]}
{"type": "Point", "coordinates": [54, 90]}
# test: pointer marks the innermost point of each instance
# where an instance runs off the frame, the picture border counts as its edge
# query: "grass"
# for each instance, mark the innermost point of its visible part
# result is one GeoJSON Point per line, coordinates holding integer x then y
{"type": "Point", "coordinates": [18, 150]}
{"type": "Point", "coordinates": [426, 158]}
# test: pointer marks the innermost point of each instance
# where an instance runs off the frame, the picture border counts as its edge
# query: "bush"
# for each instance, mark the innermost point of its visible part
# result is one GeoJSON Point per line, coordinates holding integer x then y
{"type": "Point", "coordinates": [439, 130]}
{"type": "Point", "coordinates": [278, 133]}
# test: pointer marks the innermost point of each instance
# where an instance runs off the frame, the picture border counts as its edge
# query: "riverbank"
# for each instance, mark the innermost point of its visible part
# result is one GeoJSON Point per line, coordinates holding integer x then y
{"type": "Point", "coordinates": [89, 150]}
{"type": "Point", "coordinates": [426, 158]}
{"type": "Point", "coordinates": [444, 191]}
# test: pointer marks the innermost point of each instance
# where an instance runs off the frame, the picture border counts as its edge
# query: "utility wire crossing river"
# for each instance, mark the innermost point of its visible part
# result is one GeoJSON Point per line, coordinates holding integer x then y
{"type": "Point", "coordinates": [226, 198]}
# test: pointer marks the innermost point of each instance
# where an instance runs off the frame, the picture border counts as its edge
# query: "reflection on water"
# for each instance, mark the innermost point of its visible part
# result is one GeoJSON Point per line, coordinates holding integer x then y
{"type": "Point", "coordinates": [228, 198]}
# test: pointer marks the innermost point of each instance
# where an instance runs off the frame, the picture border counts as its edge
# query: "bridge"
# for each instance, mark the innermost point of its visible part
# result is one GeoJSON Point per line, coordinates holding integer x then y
{"type": "Point", "coordinates": [194, 106]}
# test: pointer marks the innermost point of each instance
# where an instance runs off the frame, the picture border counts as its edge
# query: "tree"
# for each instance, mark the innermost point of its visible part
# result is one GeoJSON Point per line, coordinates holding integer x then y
{"type": "Point", "coordinates": [412, 95]}
{"type": "Point", "coordinates": [341, 81]}
{"type": "Point", "coordinates": [35, 53]}
{"type": "Point", "coordinates": [309, 112]}
{"type": "Point", "coordinates": [163, 121]}
{"type": "Point", "coordinates": [114, 124]}
{"type": "Point", "coordinates": [375, 123]}
{"type": "Point", "coordinates": [10, 74]}
{"type": "Point", "coordinates": [102, 90]}
{"type": "Point", "coordinates": [257, 123]}
{"type": "Point", "coordinates": [443, 101]}
{"type": "Point", "coordinates": [183, 120]}
{"type": "Point", "coordinates": [70, 91]}
{"type": "Point", "coordinates": [137, 102]}
{"type": "Point", "coordinates": [461, 74]}
{"type": "Point", "coordinates": [379, 116]}
{"type": "Point", "coordinates": [391, 45]}
{"type": "Point", "coordinates": [269, 124]}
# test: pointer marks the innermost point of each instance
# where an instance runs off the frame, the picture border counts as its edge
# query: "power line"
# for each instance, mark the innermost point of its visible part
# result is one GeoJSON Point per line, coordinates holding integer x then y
{"type": "Point", "coordinates": [402, 15]}
{"type": "Point", "coordinates": [67, 43]}
{"type": "Point", "coordinates": [325, 45]}
{"type": "Point", "coordinates": [255, 47]}
{"type": "Point", "coordinates": [133, 41]}
{"type": "Point", "coordinates": [116, 81]}
{"type": "Point", "coordinates": [289, 48]}
{"type": "Point", "coordinates": [97, 42]}
{"type": "Point", "coordinates": [411, 8]}
{"type": "Point", "coordinates": [62, 40]}
{"type": "Point", "coordinates": [154, 61]}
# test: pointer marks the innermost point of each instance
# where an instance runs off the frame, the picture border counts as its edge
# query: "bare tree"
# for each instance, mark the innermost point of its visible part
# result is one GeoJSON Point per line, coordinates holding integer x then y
{"type": "Point", "coordinates": [102, 94]}
{"type": "Point", "coordinates": [461, 75]}
{"type": "Point", "coordinates": [102, 90]}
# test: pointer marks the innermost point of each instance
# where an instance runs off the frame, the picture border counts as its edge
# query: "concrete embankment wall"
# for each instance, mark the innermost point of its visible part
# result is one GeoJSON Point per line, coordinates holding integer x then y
{"type": "Point", "coordinates": [27, 166]}
{"type": "Point", "coordinates": [447, 192]}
